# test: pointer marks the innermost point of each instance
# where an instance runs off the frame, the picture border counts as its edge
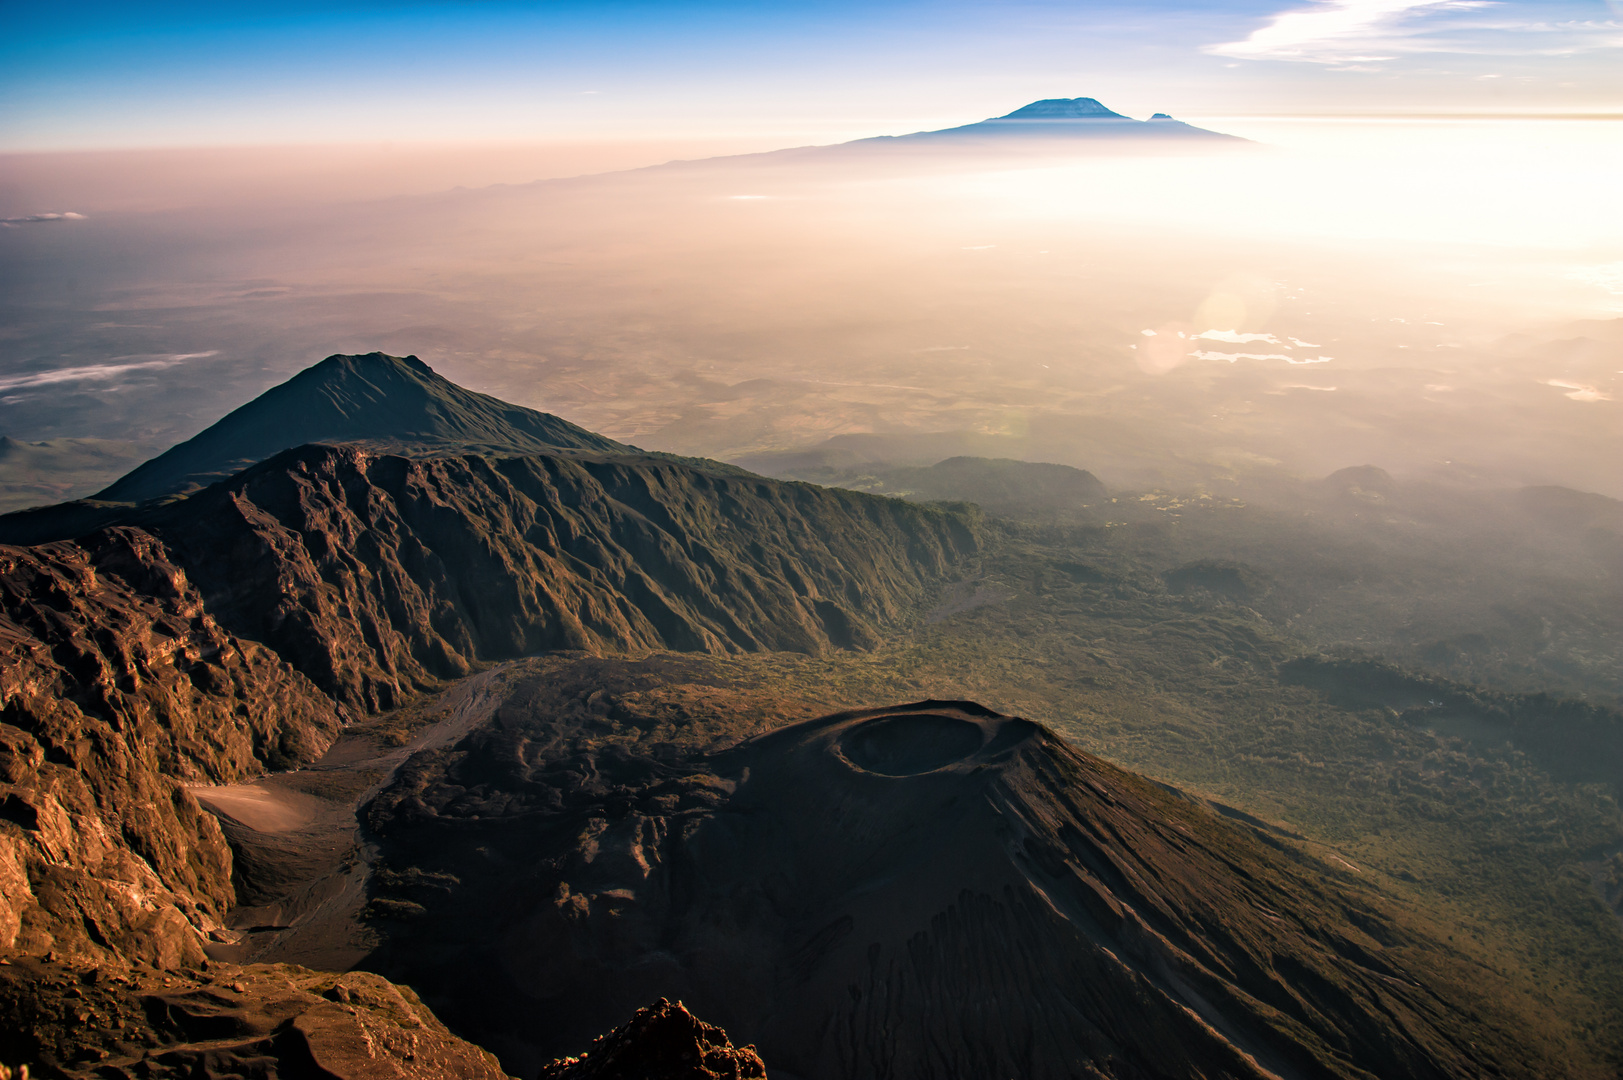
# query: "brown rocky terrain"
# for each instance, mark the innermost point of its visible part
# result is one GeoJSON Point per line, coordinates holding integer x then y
{"type": "Point", "coordinates": [928, 890]}
{"type": "Point", "coordinates": [377, 575]}
{"type": "Point", "coordinates": [116, 689]}
{"type": "Point", "coordinates": [262, 1020]}
{"type": "Point", "coordinates": [227, 633]}
{"type": "Point", "coordinates": [200, 643]}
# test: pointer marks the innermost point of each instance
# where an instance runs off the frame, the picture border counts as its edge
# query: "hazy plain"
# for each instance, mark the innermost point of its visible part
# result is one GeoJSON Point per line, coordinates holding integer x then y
{"type": "Point", "coordinates": [1436, 296]}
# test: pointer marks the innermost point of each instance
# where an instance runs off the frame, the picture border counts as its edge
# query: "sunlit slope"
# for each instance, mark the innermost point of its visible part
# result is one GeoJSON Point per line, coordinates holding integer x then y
{"type": "Point", "coordinates": [390, 401]}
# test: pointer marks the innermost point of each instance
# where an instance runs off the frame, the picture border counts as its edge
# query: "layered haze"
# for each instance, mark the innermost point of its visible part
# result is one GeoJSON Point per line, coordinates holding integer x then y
{"type": "Point", "coordinates": [1434, 296]}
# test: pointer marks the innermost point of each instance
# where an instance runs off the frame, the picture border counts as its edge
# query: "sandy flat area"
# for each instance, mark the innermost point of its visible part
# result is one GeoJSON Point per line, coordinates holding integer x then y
{"type": "Point", "coordinates": [259, 806]}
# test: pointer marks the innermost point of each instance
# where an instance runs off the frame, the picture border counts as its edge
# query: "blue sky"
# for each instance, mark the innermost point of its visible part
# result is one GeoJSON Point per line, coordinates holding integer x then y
{"type": "Point", "coordinates": [101, 75]}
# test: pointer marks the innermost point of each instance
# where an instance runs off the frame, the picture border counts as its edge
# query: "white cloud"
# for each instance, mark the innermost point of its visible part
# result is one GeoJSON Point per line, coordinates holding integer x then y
{"type": "Point", "coordinates": [100, 372]}
{"type": "Point", "coordinates": [1353, 34]}
{"type": "Point", "coordinates": [1236, 339]}
{"type": "Point", "coordinates": [1232, 357]}
{"type": "Point", "coordinates": [1579, 391]}
{"type": "Point", "coordinates": [31, 219]}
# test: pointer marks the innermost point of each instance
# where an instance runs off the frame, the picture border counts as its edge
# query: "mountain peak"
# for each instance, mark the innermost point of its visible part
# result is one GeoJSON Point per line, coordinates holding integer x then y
{"type": "Point", "coordinates": [389, 402]}
{"type": "Point", "coordinates": [1082, 108]}
{"type": "Point", "coordinates": [363, 361]}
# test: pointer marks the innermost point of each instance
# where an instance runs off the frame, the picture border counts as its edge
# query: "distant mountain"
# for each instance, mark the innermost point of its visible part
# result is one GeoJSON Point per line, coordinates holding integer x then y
{"type": "Point", "coordinates": [1063, 119]}
{"type": "Point", "coordinates": [1042, 128]}
{"type": "Point", "coordinates": [1000, 485]}
{"type": "Point", "coordinates": [386, 402]}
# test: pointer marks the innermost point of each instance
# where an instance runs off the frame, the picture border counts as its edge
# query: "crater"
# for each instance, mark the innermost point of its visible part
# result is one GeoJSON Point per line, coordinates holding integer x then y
{"type": "Point", "coordinates": [911, 744]}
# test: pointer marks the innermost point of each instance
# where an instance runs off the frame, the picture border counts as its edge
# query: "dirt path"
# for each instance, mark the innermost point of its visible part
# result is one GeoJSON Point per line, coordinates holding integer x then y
{"type": "Point", "coordinates": [302, 861]}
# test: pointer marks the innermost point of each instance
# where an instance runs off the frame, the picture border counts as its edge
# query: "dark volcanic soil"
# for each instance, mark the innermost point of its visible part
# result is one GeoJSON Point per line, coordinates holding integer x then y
{"type": "Point", "coordinates": [931, 890]}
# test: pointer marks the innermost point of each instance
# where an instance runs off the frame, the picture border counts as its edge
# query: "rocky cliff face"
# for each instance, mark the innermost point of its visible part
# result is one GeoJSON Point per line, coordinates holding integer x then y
{"type": "Point", "coordinates": [213, 641]}
{"type": "Point", "coordinates": [929, 890]}
{"type": "Point", "coordinates": [117, 688]}
{"type": "Point", "coordinates": [376, 575]}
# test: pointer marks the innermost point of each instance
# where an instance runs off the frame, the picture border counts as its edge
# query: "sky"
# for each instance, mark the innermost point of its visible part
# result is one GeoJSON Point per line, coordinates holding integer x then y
{"type": "Point", "coordinates": [83, 76]}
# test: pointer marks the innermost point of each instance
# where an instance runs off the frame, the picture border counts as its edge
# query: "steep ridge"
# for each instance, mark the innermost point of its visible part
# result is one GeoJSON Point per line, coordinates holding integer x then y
{"type": "Point", "coordinates": [218, 635]}
{"type": "Point", "coordinates": [116, 688]}
{"type": "Point", "coordinates": [926, 890]}
{"type": "Point", "coordinates": [378, 575]}
{"type": "Point", "coordinates": [390, 402]}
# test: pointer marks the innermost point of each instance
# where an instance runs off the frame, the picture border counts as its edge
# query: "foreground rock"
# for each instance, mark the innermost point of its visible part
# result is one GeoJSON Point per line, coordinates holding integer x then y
{"type": "Point", "coordinates": [661, 1042]}
{"type": "Point", "coordinates": [263, 1020]}
{"type": "Point", "coordinates": [929, 890]}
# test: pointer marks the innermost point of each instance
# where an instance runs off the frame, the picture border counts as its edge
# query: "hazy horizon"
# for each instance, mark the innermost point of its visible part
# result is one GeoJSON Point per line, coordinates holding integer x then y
{"type": "Point", "coordinates": [1412, 264]}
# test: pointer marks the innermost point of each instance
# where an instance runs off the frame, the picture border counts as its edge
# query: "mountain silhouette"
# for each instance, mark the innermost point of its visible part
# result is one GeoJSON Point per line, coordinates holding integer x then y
{"type": "Point", "coordinates": [1063, 120]}
{"type": "Point", "coordinates": [387, 402]}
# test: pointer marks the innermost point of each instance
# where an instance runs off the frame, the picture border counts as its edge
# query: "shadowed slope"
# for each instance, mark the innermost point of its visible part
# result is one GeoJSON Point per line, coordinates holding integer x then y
{"type": "Point", "coordinates": [390, 402]}
{"type": "Point", "coordinates": [932, 890]}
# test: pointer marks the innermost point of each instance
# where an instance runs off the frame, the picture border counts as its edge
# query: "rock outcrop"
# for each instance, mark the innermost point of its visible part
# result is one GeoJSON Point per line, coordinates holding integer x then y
{"type": "Point", "coordinates": [928, 890]}
{"type": "Point", "coordinates": [264, 1020]}
{"type": "Point", "coordinates": [661, 1042]}
{"type": "Point", "coordinates": [116, 687]}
